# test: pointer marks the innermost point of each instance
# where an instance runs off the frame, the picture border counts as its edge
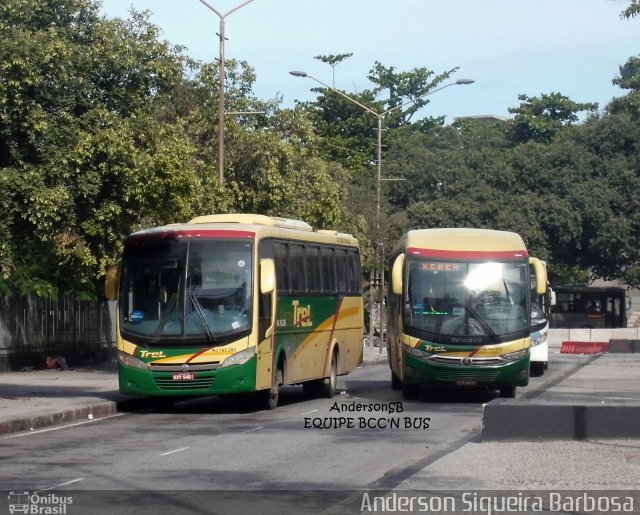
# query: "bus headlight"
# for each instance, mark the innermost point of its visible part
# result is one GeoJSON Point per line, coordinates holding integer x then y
{"type": "Point", "coordinates": [540, 340]}
{"type": "Point", "coordinates": [515, 356]}
{"type": "Point", "coordinates": [239, 358]}
{"type": "Point", "coordinates": [418, 353]}
{"type": "Point", "coordinates": [129, 361]}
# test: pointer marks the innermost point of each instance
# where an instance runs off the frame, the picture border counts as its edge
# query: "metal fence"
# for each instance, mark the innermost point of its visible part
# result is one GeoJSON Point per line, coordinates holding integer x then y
{"type": "Point", "coordinates": [32, 327]}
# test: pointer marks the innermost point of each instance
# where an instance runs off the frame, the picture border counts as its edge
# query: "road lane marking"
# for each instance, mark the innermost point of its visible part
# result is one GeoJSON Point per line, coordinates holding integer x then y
{"type": "Point", "coordinates": [174, 451]}
{"type": "Point", "coordinates": [309, 412]}
{"type": "Point", "coordinates": [61, 484]}
{"type": "Point", "coordinates": [254, 429]}
{"type": "Point", "coordinates": [57, 428]}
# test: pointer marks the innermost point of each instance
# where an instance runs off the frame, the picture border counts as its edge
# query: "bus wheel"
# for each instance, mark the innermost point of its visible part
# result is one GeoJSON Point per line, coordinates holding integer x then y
{"type": "Point", "coordinates": [163, 404]}
{"type": "Point", "coordinates": [269, 398]}
{"type": "Point", "coordinates": [396, 384]}
{"type": "Point", "coordinates": [330, 384]}
{"type": "Point", "coordinates": [537, 368]}
{"type": "Point", "coordinates": [508, 392]}
{"type": "Point", "coordinates": [410, 391]}
{"type": "Point", "coordinates": [310, 389]}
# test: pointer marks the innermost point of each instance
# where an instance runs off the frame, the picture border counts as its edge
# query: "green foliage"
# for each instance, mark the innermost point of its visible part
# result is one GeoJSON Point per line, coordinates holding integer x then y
{"type": "Point", "coordinates": [573, 198]}
{"type": "Point", "coordinates": [105, 128]}
{"type": "Point", "coordinates": [542, 118]}
{"type": "Point", "coordinates": [629, 79]}
{"type": "Point", "coordinates": [632, 10]}
{"type": "Point", "coordinates": [83, 160]}
{"type": "Point", "coordinates": [562, 275]}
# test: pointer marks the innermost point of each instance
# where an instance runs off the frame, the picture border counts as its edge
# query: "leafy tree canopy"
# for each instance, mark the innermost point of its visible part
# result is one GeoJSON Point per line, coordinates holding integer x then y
{"type": "Point", "coordinates": [541, 118]}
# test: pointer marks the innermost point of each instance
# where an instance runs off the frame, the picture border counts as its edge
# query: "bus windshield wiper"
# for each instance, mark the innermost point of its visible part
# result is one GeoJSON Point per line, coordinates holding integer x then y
{"type": "Point", "coordinates": [197, 307]}
{"type": "Point", "coordinates": [484, 324]}
{"type": "Point", "coordinates": [165, 316]}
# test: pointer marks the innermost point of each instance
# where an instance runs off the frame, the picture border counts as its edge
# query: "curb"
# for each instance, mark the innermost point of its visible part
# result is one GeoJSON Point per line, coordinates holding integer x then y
{"type": "Point", "coordinates": [89, 412]}
{"type": "Point", "coordinates": [96, 410]}
{"type": "Point", "coordinates": [382, 360]}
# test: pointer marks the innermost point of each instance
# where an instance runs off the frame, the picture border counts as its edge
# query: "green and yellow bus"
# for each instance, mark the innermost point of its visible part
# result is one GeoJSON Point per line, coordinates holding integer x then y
{"type": "Point", "coordinates": [238, 303]}
{"type": "Point", "coordinates": [459, 310]}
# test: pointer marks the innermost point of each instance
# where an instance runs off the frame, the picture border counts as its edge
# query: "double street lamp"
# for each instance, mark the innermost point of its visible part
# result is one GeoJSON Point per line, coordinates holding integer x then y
{"type": "Point", "coordinates": [380, 117]}
{"type": "Point", "coordinates": [221, 86]}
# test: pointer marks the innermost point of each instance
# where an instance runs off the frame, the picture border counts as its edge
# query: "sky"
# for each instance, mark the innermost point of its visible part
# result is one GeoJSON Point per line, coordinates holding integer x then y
{"type": "Point", "coordinates": [508, 47]}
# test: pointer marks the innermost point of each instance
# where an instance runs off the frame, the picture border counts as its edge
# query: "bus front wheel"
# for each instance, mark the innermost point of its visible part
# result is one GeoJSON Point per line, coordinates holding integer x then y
{"type": "Point", "coordinates": [508, 392]}
{"type": "Point", "coordinates": [269, 398]}
{"type": "Point", "coordinates": [396, 384]}
{"type": "Point", "coordinates": [410, 391]}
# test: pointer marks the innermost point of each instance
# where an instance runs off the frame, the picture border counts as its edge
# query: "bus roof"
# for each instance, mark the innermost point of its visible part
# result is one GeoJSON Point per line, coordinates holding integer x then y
{"type": "Point", "coordinates": [248, 225]}
{"type": "Point", "coordinates": [463, 243]}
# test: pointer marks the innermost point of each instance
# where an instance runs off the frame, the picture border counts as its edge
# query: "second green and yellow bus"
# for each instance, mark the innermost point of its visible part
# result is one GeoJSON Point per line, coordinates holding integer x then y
{"type": "Point", "coordinates": [459, 310]}
{"type": "Point", "coordinates": [238, 303]}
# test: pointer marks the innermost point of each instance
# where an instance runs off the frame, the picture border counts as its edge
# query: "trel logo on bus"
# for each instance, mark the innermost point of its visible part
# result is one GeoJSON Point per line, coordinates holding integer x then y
{"type": "Point", "coordinates": [301, 315]}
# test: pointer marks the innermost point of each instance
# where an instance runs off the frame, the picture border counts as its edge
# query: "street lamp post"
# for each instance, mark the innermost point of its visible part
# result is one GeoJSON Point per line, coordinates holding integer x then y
{"type": "Point", "coordinates": [221, 86]}
{"type": "Point", "coordinates": [380, 116]}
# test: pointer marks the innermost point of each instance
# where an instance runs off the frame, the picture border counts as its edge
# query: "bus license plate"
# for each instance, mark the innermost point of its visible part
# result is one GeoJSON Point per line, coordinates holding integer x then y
{"type": "Point", "coordinates": [466, 382]}
{"type": "Point", "coordinates": [184, 376]}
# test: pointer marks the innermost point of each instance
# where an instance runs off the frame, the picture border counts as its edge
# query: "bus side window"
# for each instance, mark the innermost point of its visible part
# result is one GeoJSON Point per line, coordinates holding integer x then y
{"type": "Point", "coordinates": [328, 270]}
{"type": "Point", "coordinates": [264, 314]}
{"type": "Point", "coordinates": [341, 270]}
{"type": "Point", "coordinates": [281, 257]}
{"type": "Point", "coordinates": [314, 269]}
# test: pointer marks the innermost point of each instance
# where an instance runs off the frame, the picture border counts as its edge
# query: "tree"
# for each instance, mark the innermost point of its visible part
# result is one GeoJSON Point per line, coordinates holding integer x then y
{"type": "Point", "coordinates": [632, 10]}
{"type": "Point", "coordinates": [83, 159]}
{"type": "Point", "coordinates": [629, 79]}
{"type": "Point", "coordinates": [541, 118]}
{"type": "Point", "coordinates": [333, 60]}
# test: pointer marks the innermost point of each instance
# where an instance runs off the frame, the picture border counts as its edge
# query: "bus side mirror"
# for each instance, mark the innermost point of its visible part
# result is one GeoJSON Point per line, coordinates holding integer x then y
{"type": "Point", "coordinates": [541, 275]}
{"type": "Point", "coordinates": [111, 281]}
{"type": "Point", "coordinates": [267, 276]}
{"type": "Point", "coordinates": [396, 275]}
{"type": "Point", "coordinates": [552, 295]}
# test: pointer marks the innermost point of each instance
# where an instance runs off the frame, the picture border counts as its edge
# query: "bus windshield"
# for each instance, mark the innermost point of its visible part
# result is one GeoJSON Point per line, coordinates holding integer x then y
{"type": "Point", "coordinates": [486, 300]}
{"type": "Point", "coordinates": [181, 292]}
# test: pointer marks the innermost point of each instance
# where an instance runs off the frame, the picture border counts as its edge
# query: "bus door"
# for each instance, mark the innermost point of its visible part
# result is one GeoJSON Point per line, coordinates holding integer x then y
{"type": "Point", "coordinates": [266, 324]}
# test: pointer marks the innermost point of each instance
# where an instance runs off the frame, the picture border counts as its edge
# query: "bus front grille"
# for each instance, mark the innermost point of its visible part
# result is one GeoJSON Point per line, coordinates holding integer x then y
{"type": "Point", "coordinates": [489, 362]}
{"type": "Point", "coordinates": [480, 376]}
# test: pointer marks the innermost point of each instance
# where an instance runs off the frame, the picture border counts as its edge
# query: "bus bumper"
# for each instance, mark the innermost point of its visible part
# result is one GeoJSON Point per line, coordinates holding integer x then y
{"type": "Point", "coordinates": [421, 372]}
{"type": "Point", "coordinates": [228, 380]}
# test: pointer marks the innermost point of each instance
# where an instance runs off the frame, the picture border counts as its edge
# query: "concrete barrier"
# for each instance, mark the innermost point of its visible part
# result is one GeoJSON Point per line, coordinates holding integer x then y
{"type": "Point", "coordinates": [624, 346]}
{"type": "Point", "coordinates": [557, 336]}
{"type": "Point", "coordinates": [531, 420]}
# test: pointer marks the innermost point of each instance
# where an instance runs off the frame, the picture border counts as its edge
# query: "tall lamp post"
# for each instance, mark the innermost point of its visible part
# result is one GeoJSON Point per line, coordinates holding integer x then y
{"type": "Point", "coordinates": [221, 86]}
{"type": "Point", "coordinates": [380, 116]}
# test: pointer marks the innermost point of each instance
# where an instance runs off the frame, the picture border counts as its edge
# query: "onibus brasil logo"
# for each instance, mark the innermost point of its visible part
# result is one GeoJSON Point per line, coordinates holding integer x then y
{"type": "Point", "coordinates": [40, 504]}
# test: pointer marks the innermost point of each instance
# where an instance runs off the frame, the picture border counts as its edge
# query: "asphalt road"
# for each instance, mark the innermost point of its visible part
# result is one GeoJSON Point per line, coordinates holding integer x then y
{"type": "Point", "coordinates": [367, 437]}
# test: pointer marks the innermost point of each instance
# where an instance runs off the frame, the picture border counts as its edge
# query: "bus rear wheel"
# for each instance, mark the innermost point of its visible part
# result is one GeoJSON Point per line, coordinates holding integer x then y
{"type": "Point", "coordinates": [325, 387]}
{"type": "Point", "coordinates": [330, 384]}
